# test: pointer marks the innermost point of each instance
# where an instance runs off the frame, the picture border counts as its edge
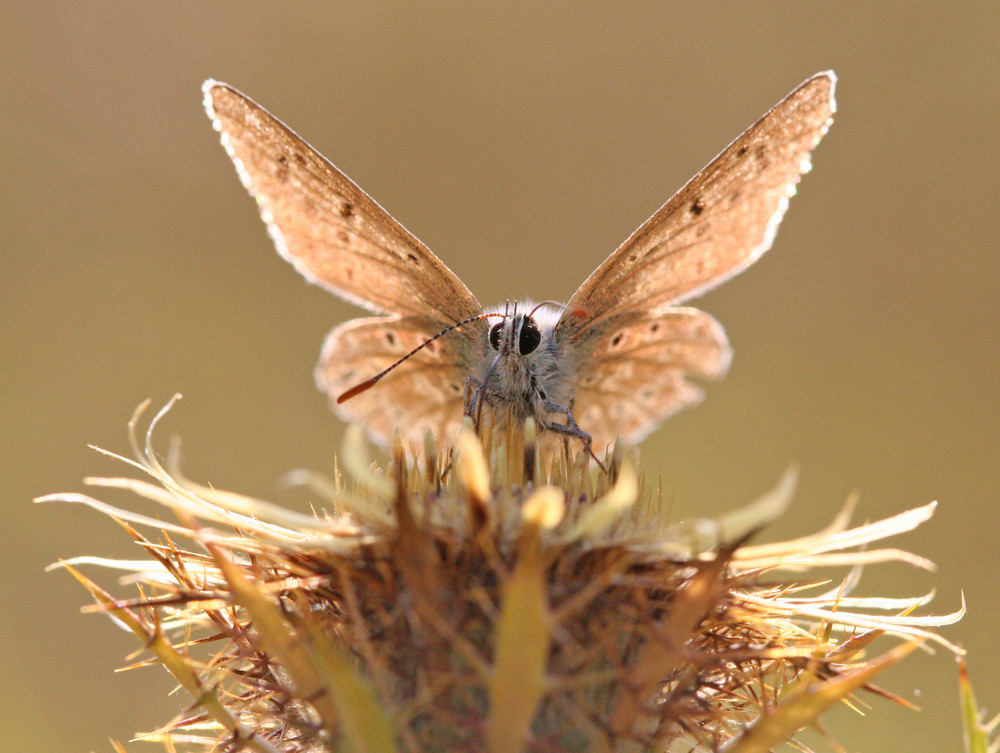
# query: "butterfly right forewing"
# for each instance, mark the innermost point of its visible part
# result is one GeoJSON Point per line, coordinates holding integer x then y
{"type": "Point", "coordinates": [333, 232]}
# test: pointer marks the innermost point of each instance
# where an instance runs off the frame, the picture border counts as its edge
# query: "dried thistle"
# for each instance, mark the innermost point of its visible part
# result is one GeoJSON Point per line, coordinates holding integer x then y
{"type": "Point", "coordinates": [485, 602]}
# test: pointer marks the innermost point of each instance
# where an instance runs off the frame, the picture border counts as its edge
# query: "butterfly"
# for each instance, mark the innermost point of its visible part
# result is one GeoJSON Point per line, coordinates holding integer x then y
{"type": "Point", "coordinates": [617, 359]}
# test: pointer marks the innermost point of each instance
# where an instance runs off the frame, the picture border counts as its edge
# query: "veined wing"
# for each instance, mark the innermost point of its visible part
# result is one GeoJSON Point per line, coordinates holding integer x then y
{"type": "Point", "coordinates": [639, 374]}
{"type": "Point", "coordinates": [424, 393]}
{"type": "Point", "coordinates": [322, 222]}
{"type": "Point", "coordinates": [716, 225]}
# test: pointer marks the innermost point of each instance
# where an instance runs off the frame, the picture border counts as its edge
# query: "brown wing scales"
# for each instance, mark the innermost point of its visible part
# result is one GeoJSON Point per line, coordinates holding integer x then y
{"type": "Point", "coordinates": [323, 223]}
{"type": "Point", "coordinates": [426, 393]}
{"type": "Point", "coordinates": [720, 222]}
{"type": "Point", "coordinates": [638, 373]}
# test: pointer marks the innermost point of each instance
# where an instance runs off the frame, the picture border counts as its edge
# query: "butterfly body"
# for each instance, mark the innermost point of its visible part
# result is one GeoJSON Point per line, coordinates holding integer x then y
{"type": "Point", "coordinates": [525, 372]}
{"type": "Point", "coordinates": [617, 359]}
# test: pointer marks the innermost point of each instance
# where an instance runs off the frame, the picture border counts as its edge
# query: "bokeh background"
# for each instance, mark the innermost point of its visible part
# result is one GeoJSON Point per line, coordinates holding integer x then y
{"type": "Point", "coordinates": [522, 143]}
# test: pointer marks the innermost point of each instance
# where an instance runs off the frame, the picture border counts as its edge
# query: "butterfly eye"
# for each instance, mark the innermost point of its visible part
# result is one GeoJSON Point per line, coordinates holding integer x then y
{"type": "Point", "coordinates": [530, 336]}
{"type": "Point", "coordinates": [495, 333]}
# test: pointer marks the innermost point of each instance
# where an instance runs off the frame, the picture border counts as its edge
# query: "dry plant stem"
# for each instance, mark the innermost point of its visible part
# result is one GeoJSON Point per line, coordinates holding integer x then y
{"type": "Point", "coordinates": [977, 730]}
{"type": "Point", "coordinates": [499, 600]}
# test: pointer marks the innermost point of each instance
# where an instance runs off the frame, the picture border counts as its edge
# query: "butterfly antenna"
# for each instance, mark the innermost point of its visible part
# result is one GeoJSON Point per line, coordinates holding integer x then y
{"type": "Point", "coordinates": [368, 383]}
{"type": "Point", "coordinates": [557, 305]}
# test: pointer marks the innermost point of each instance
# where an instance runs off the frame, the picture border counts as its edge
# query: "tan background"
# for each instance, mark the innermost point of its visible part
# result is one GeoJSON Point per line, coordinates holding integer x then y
{"type": "Point", "coordinates": [522, 145]}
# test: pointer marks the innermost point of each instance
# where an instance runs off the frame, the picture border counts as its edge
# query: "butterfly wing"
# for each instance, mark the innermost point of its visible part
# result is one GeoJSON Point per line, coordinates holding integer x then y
{"type": "Point", "coordinates": [425, 393]}
{"type": "Point", "coordinates": [633, 350]}
{"type": "Point", "coordinates": [322, 222]}
{"type": "Point", "coordinates": [719, 223]}
{"type": "Point", "coordinates": [641, 375]}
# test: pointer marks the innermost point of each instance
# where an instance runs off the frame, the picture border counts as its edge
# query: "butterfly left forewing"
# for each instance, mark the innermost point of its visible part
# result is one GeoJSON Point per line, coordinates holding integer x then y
{"type": "Point", "coordinates": [629, 378]}
{"type": "Point", "coordinates": [639, 372]}
{"type": "Point", "coordinates": [719, 223]}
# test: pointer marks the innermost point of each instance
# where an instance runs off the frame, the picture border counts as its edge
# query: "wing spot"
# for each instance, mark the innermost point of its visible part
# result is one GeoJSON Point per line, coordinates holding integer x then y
{"type": "Point", "coordinates": [412, 258]}
{"type": "Point", "coordinates": [616, 340]}
{"type": "Point", "coordinates": [344, 237]}
{"type": "Point", "coordinates": [455, 387]}
{"type": "Point", "coordinates": [346, 210]}
{"type": "Point", "coordinates": [390, 338]}
{"type": "Point", "coordinates": [698, 206]}
{"type": "Point", "coordinates": [281, 173]}
{"type": "Point", "coordinates": [654, 327]}
{"type": "Point", "coordinates": [300, 158]}
{"type": "Point", "coordinates": [742, 150]}
{"type": "Point", "coordinates": [761, 154]}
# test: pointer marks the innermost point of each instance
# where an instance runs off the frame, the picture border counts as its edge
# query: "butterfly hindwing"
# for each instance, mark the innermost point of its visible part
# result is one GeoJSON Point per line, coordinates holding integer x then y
{"type": "Point", "coordinates": [637, 373]}
{"type": "Point", "coordinates": [425, 392]}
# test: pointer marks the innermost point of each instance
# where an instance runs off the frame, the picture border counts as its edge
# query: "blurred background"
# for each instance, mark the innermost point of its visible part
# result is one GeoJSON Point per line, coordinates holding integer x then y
{"type": "Point", "coordinates": [522, 144]}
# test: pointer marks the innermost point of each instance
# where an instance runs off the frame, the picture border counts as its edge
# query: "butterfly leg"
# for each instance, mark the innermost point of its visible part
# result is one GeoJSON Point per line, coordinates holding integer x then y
{"type": "Point", "coordinates": [571, 429]}
{"type": "Point", "coordinates": [473, 400]}
{"type": "Point", "coordinates": [471, 397]}
{"type": "Point", "coordinates": [477, 395]}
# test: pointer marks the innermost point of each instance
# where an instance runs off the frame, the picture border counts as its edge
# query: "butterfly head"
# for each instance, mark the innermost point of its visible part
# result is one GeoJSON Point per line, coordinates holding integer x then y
{"type": "Point", "coordinates": [522, 357]}
{"type": "Point", "coordinates": [524, 329]}
{"type": "Point", "coordinates": [518, 334]}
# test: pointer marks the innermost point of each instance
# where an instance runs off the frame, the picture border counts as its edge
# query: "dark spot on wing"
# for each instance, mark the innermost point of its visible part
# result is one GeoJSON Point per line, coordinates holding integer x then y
{"type": "Point", "coordinates": [412, 258]}
{"type": "Point", "coordinates": [742, 150]}
{"type": "Point", "coordinates": [762, 160]}
{"type": "Point", "coordinates": [698, 206]}
{"type": "Point", "coordinates": [654, 327]}
{"type": "Point", "coordinates": [282, 171]}
{"type": "Point", "coordinates": [616, 340]}
{"type": "Point", "coordinates": [347, 210]}
{"type": "Point", "coordinates": [344, 237]}
{"type": "Point", "coordinates": [301, 158]}
{"type": "Point", "coordinates": [431, 347]}
{"type": "Point", "coordinates": [455, 387]}
{"type": "Point", "coordinates": [390, 338]}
